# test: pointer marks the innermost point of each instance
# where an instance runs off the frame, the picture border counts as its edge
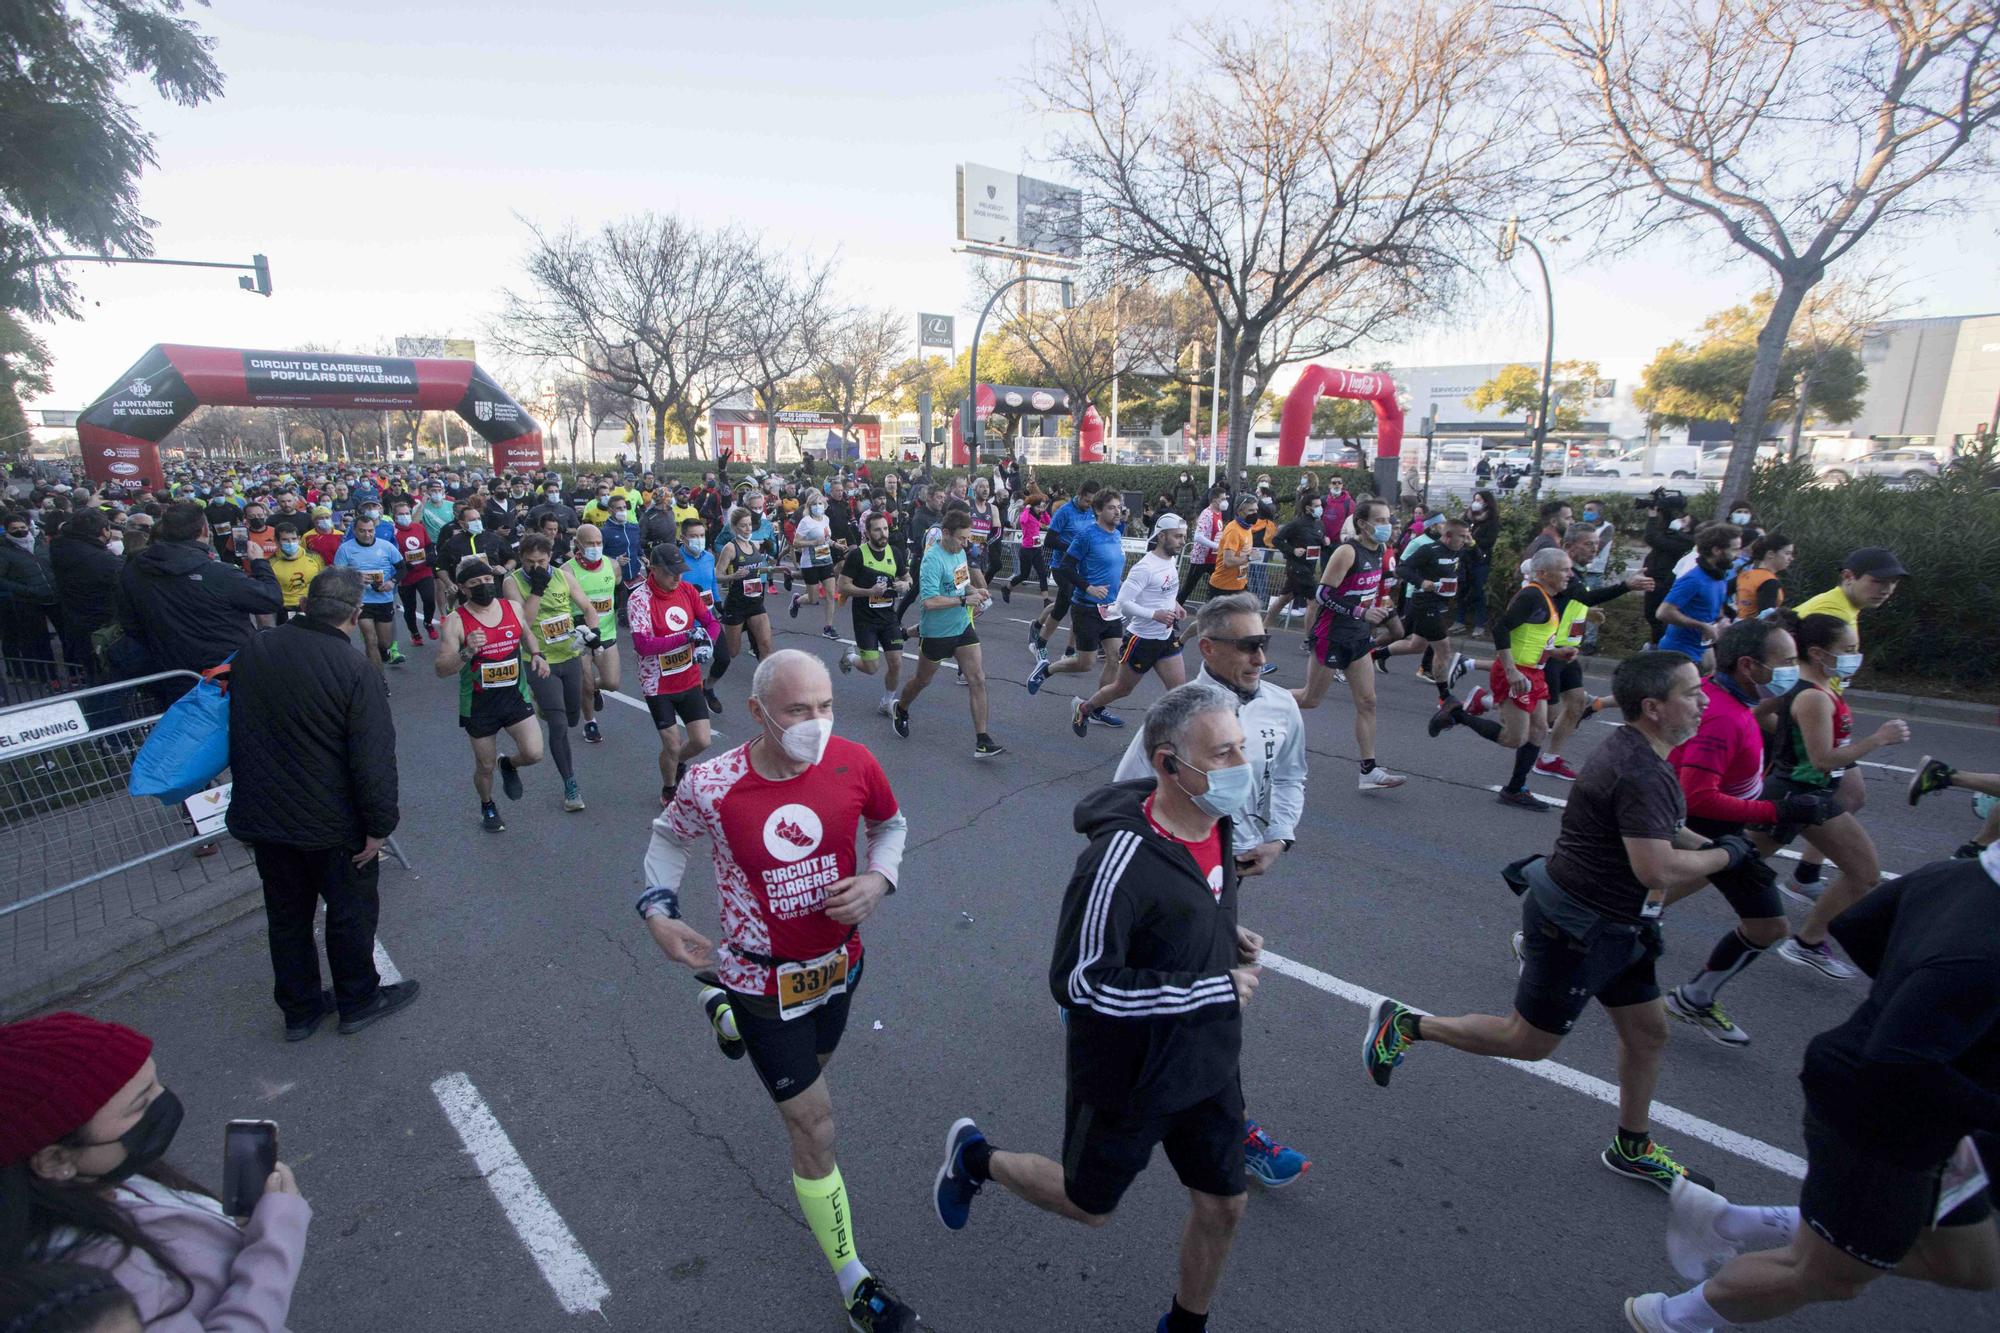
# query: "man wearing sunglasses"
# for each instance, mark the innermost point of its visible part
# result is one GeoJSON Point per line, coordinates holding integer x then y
{"type": "Point", "coordinates": [1229, 634]}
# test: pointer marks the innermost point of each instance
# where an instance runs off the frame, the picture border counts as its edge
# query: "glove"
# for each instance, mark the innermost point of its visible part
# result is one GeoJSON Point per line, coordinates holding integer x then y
{"type": "Point", "coordinates": [1808, 808]}
{"type": "Point", "coordinates": [538, 580]}
{"type": "Point", "coordinates": [1739, 848]}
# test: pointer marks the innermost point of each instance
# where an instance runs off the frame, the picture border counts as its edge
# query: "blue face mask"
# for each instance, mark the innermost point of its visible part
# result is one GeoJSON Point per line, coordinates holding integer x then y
{"type": "Point", "coordinates": [1847, 665]}
{"type": "Point", "coordinates": [1782, 679]}
{"type": "Point", "coordinates": [1382, 532]}
{"type": "Point", "coordinates": [1229, 789]}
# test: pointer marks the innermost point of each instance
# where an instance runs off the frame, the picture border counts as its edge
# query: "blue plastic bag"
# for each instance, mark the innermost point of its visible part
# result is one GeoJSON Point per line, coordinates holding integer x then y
{"type": "Point", "coordinates": [189, 746]}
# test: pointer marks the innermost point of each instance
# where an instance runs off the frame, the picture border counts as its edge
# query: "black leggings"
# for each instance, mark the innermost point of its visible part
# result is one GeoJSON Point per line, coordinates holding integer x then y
{"type": "Point", "coordinates": [1065, 589]}
{"type": "Point", "coordinates": [1191, 578]}
{"type": "Point", "coordinates": [410, 592]}
{"type": "Point", "coordinates": [1035, 561]}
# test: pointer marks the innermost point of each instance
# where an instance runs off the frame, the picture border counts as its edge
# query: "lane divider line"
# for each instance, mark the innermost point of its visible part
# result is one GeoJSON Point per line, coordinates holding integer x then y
{"type": "Point", "coordinates": [1681, 1122]}
{"type": "Point", "coordinates": [577, 1285]}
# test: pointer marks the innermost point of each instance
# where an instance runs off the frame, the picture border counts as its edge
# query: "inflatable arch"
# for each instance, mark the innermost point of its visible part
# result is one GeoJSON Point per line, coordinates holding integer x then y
{"type": "Point", "coordinates": [1372, 386]}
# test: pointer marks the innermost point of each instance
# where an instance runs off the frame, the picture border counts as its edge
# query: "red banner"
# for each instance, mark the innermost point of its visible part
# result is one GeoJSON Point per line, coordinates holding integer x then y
{"type": "Point", "coordinates": [1371, 386]}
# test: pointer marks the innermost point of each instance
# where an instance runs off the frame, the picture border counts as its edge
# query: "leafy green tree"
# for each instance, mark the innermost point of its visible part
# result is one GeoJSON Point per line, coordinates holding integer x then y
{"type": "Point", "coordinates": [24, 364]}
{"type": "Point", "coordinates": [1517, 391]}
{"type": "Point", "coordinates": [1708, 379]}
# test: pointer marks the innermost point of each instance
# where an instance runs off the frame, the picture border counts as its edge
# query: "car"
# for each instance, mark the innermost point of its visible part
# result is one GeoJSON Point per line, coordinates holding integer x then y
{"type": "Point", "coordinates": [1680, 462]}
{"type": "Point", "coordinates": [1905, 465]}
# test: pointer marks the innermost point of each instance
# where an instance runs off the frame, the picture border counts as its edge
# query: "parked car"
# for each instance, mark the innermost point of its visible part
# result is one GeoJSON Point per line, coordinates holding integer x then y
{"type": "Point", "coordinates": [1907, 465]}
{"type": "Point", "coordinates": [1681, 462]}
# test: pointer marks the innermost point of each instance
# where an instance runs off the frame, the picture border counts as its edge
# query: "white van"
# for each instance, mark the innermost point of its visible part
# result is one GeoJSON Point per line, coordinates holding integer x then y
{"type": "Point", "coordinates": [1680, 462]}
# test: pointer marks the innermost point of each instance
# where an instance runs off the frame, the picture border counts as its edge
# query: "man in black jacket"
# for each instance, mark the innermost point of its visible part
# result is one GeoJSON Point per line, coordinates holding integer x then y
{"type": "Point", "coordinates": [1152, 972]}
{"type": "Point", "coordinates": [27, 598]}
{"type": "Point", "coordinates": [86, 581]}
{"type": "Point", "coordinates": [190, 610]}
{"type": "Point", "coordinates": [312, 752]}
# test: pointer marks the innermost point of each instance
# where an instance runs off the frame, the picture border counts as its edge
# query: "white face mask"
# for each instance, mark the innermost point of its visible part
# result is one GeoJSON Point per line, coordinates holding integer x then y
{"type": "Point", "coordinates": [116, 546]}
{"type": "Point", "coordinates": [697, 544]}
{"type": "Point", "coordinates": [593, 553]}
{"type": "Point", "coordinates": [805, 742]}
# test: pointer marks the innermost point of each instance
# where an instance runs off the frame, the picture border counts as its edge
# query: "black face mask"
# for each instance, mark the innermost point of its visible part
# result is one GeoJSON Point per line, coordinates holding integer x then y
{"type": "Point", "coordinates": [483, 594]}
{"type": "Point", "coordinates": [146, 1142]}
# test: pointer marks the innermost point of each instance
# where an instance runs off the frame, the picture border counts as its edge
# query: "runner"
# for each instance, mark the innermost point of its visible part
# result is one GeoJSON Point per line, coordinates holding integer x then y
{"type": "Point", "coordinates": [1208, 525]}
{"type": "Point", "coordinates": [1590, 912]}
{"type": "Point", "coordinates": [1530, 633]}
{"type": "Point", "coordinates": [949, 601]}
{"type": "Point", "coordinates": [700, 572]}
{"type": "Point", "coordinates": [1934, 775]}
{"type": "Point", "coordinates": [293, 566]}
{"type": "Point", "coordinates": [1095, 558]}
{"type": "Point", "coordinates": [872, 579]}
{"type": "Point", "coordinates": [1146, 601]}
{"type": "Point", "coordinates": [1232, 648]}
{"type": "Point", "coordinates": [596, 578]}
{"type": "Point", "coordinates": [812, 549]}
{"type": "Point", "coordinates": [742, 568]}
{"type": "Point", "coordinates": [1721, 771]}
{"type": "Point", "coordinates": [1430, 572]}
{"type": "Point", "coordinates": [1064, 523]}
{"type": "Point", "coordinates": [417, 583]}
{"type": "Point", "coordinates": [377, 562]}
{"type": "Point", "coordinates": [1569, 701]}
{"type": "Point", "coordinates": [485, 642]}
{"type": "Point", "coordinates": [553, 602]}
{"type": "Point", "coordinates": [1351, 611]}
{"type": "Point", "coordinates": [674, 633]}
{"type": "Point", "coordinates": [1691, 612]}
{"type": "Point", "coordinates": [1032, 558]}
{"type": "Point", "coordinates": [1299, 542]}
{"type": "Point", "coordinates": [782, 812]}
{"type": "Point", "coordinates": [1891, 1095]}
{"type": "Point", "coordinates": [1152, 971]}
{"type": "Point", "coordinates": [1814, 742]}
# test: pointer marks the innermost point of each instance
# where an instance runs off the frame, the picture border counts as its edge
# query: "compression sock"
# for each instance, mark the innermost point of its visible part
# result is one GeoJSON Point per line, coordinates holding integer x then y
{"type": "Point", "coordinates": [1484, 726]}
{"type": "Point", "coordinates": [1633, 1143]}
{"type": "Point", "coordinates": [1411, 1026]}
{"type": "Point", "coordinates": [1524, 764]}
{"type": "Point", "coordinates": [1182, 1320]}
{"type": "Point", "coordinates": [978, 1159]}
{"type": "Point", "coordinates": [825, 1205]}
{"type": "Point", "coordinates": [1731, 954]}
{"type": "Point", "coordinates": [1807, 872]}
{"type": "Point", "coordinates": [1760, 1228]}
{"type": "Point", "coordinates": [1368, 764]}
{"type": "Point", "coordinates": [1690, 1312]}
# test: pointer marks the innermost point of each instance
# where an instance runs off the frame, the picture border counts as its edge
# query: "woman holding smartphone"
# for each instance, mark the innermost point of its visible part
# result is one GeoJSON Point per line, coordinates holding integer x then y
{"type": "Point", "coordinates": [84, 1125]}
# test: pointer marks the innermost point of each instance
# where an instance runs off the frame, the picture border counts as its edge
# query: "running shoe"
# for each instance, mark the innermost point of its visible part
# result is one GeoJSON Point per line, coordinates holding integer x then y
{"type": "Point", "coordinates": [1444, 719]}
{"type": "Point", "coordinates": [1648, 1313]}
{"type": "Point", "coordinates": [1038, 676]}
{"type": "Point", "coordinates": [1035, 637]}
{"type": "Point", "coordinates": [1274, 1165]}
{"type": "Point", "coordinates": [829, 632]}
{"type": "Point", "coordinates": [1968, 851]}
{"type": "Point", "coordinates": [1819, 957]}
{"type": "Point", "coordinates": [510, 779]}
{"type": "Point", "coordinates": [955, 1188]}
{"type": "Point", "coordinates": [416, 642]}
{"type": "Point", "coordinates": [1079, 717]}
{"type": "Point", "coordinates": [1694, 1247]}
{"type": "Point", "coordinates": [432, 631]}
{"type": "Point", "coordinates": [1007, 593]}
{"type": "Point", "coordinates": [593, 733]}
{"type": "Point", "coordinates": [1555, 766]}
{"type": "Point", "coordinates": [985, 747]}
{"type": "Point", "coordinates": [1932, 775]}
{"type": "Point", "coordinates": [1383, 1047]}
{"type": "Point", "coordinates": [1805, 895]}
{"type": "Point", "coordinates": [572, 796]}
{"type": "Point", "coordinates": [847, 663]}
{"type": "Point", "coordinates": [489, 818]}
{"type": "Point", "coordinates": [722, 1020]}
{"type": "Point", "coordinates": [1104, 718]}
{"type": "Point", "coordinates": [1524, 800]}
{"type": "Point", "coordinates": [1426, 677]}
{"type": "Point", "coordinates": [1710, 1018]}
{"type": "Point", "coordinates": [887, 702]}
{"type": "Point", "coordinates": [395, 654]}
{"type": "Point", "coordinates": [1460, 664]}
{"type": "Point", "coordinates": [875, 1309]}
{"type": "Point", "coordinates": [713, 700]}
{"type": "Point", "coordinates": [899, 718]}
{"type": "Point", "coordinates": [1340, 675]}
{"type": "Point", "coordinates": [1652, 1164]}
{"type": "Point", "coordinates": [1379, 778]}
{"type": "Point", "coordinates": [796, 599]}
{"type": "Point", "coordinates": [1476, 701]}
{"type": "Point", "coordinates": [1380, 656]}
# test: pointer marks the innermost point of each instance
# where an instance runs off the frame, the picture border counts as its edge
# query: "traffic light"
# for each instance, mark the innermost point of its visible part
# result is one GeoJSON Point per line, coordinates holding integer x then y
{"type": "Point", "coordinates": [261, 284]}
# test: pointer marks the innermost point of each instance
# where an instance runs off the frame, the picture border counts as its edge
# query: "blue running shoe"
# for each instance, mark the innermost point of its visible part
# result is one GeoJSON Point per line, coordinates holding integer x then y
{"type": "Point", "coordinates": [1275, 1165]}
{"type": "Point", "coordinates": [1104, 718]}
{"type": "Point", "coordinates": [954, 1187]}
{"type": "Point", "coordinates": [1038, 675]}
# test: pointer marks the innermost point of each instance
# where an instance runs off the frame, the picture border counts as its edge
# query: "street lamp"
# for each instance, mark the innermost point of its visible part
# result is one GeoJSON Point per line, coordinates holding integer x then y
{"type": "Point", "coordinates": [974, 435]}
{"type": "Point", "coordinates": [1509, 235]}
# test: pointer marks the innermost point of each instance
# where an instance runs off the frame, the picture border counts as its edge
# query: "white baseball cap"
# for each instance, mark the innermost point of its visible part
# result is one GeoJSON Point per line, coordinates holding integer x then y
{"type": "Point", "coordinates": [1169, 522]}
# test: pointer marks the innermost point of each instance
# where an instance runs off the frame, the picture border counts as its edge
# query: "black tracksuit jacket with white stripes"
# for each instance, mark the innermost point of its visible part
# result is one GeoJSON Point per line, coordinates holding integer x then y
{"type": "Point", "coordinates": [1142, 960]}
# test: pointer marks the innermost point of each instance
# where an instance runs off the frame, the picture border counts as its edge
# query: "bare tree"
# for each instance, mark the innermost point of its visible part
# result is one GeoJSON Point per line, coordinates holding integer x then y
{"type": "Point", "coordinates": [1318, 174]}
{"type": "Point", "coordinates": [1794, 129]}
{"type": "Point", "coordinates": [781, 329]}
{"type": "Point", "coordinates": [864, 362]}
{"type": "Point", "coordinates": [1083, 349]}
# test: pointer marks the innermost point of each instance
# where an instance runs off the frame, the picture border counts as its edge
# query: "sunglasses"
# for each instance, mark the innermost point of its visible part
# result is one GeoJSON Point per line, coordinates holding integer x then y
{"type": "Point", "coordinates": [1255, 643]}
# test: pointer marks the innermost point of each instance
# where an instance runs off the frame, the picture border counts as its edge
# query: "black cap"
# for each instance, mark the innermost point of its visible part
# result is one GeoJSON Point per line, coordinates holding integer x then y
{"type": "Point", "coordinates": [1877, 560]}
{"type": "Point", "coordinates": [667, 557]}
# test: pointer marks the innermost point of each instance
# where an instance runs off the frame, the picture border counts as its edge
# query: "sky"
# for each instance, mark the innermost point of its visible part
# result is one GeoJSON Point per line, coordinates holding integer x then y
{"type": "Point", "coordinates": [384, 155]}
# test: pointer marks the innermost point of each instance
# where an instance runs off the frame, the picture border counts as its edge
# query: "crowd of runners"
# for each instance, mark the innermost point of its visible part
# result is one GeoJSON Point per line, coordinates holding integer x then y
{"type": "Point", "coordinates": [1736, 741]}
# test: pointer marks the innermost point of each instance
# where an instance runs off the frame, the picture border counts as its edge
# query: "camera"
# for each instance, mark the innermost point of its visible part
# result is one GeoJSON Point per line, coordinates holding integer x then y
{"type": "Point", "coordinates": [1665, 501]}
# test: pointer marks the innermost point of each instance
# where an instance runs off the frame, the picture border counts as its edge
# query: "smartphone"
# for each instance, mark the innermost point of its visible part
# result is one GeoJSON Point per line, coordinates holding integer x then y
{"type": "Point", "coordinates": [249, 1155]}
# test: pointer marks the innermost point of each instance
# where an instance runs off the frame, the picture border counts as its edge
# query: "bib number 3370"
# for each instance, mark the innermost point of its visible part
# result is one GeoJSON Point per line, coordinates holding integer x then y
{"type": "Point", "coordinates": [804, 987]}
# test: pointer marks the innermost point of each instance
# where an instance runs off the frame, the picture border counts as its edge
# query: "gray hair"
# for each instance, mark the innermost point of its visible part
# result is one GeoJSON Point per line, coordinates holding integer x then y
{"type": "Point", "coordinates": [333, 596]}
{"type": "Point", "coordinates": [1168, 719]}
{"type": "Point", "coordinates": [1578, 531]}
{"type": "Point", "coordinates": [1546, 560]}
{"type": "Point", "coordinates": [1218, 611]}
{"type": "Point", "coordinates": [768, 669]}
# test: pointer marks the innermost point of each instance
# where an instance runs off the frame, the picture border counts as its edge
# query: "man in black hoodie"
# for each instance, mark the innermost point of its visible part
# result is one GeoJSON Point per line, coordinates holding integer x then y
{"type": "Point", "coordinates": [1152, 972]}
{"type": "Point", "coordinates": [188, 608]}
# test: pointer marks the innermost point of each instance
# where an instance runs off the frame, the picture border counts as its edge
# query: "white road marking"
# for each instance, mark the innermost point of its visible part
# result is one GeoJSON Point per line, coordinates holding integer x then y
{"type": "Point", "coordinates": [1681, 1122]}
{"type": "Point", "coordinates": [575, 1280]}
{"type": "Point", "coordinates": [384, 967]}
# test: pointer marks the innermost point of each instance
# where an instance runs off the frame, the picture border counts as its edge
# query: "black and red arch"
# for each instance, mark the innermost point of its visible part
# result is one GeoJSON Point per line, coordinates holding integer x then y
{"type": "Point", "coordinates": [120, 433]}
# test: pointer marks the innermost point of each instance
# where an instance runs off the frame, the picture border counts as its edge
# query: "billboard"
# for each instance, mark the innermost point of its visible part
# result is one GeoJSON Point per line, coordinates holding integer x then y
{"type": "Point", "coordinates": [742, 430]}
{"type": "Point", "coordinates": [935, 331]}
{"type": "Point", "coordinates": [1019, 212]}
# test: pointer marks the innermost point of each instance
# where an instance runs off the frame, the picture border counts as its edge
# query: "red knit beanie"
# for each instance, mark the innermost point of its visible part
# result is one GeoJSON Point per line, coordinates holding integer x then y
{"type": "Point", "coordinates": [58, 1071]}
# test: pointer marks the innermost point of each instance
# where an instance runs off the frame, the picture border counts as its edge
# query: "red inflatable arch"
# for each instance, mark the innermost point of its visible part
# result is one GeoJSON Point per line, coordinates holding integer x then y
{"type": "Point", "coordinates": [1370, 385]}
{"type": "Point", "coordinates": [120, 433]}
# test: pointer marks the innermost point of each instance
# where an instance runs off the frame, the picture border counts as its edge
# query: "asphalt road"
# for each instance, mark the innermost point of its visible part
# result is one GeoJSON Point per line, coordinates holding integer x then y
{"type": "Point", "coordinates": [652, 1177]}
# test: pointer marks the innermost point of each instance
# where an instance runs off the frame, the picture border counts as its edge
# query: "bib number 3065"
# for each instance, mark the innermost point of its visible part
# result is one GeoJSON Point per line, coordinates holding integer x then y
{"type": "Point", "coordinates": [804, 987]}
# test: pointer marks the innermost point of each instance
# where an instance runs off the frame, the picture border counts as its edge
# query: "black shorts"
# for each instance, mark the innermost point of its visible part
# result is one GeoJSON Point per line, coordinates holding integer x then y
{"type": "Point", "coordinates": [687, 706]}
{"type": "Point", "coordinates": [1562, 677]}
{"type": "Point", "coordinates": [1776, 789]}
{"type": "Point", "coordinates": [816, 573]}
{"type": "Point", "coordinates": [786, 1052]}
{"type": "Point", "coordinates": [493, 711]}
{"type": "Point", "coordinates": [1560, 974]}
{"type": "Point", "coordinates": [1868, 1209]}
{"type": "Point", "coordinates": [1299, 581]}
{"type": "Point", "coordinates": [1751, 889]}
{"type": "Point", "coordinates": [942, 650]}
{"type": "Point", "coordinates": [1104, 1151]}
{"type": "Point", "coordinates": [1430, 621]}
{"type": "Point", "coordinates": [1141, 654]}
{"type": "Point", "coordinates": [876, 632]}
{"type": "Point", "coordinates": [738, 611]}
{"type": "Point", "coordinates": [382, 613]}
{"type": "Point", "coordinates": [1089, 630]}
{"type": "Point", "coordinates": [1338, 640]}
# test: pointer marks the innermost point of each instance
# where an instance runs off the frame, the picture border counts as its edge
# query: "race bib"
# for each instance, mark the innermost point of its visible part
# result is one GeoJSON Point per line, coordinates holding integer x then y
{"type": "Point", "coordinates": [707, 599]}
{"type": "Point", "coordinates": [552, 628]}
{"type": "Point", "coordinates": [680, 659]}
{"type": "Point", "coordinates": [804, 987]}
{"type": "Point", "coordinates": [1447, 588]}
{"type": "Point", "coordinates": [602, 605]}
{"type": "Point", "coordinates": [822, 555]}
{"type": "Point", "coordinates": [497, 675]}
{"type": "Point", "coordinates": [961, 578]}
{"type": "Point", "coordinates": [1312, 552]}
{"type": "Point", "coordinates": [881, 599]}
{"type": "Point", "coordinates": [753, 587]}
{"type": "Point", "coordinates": [1108, 611]}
